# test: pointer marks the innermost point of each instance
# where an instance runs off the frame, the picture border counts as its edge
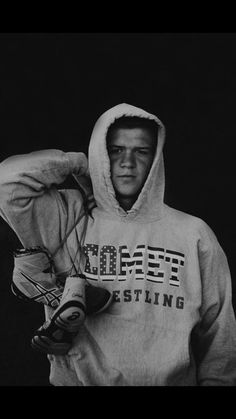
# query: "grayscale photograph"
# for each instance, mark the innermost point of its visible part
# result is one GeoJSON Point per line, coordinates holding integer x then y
{"type": "Point", "coordinates": [117, 233]}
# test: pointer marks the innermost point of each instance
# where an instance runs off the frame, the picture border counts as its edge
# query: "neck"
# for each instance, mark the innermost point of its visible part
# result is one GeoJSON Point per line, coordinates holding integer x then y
{"type": "Point", "coordinates": [126, 203]}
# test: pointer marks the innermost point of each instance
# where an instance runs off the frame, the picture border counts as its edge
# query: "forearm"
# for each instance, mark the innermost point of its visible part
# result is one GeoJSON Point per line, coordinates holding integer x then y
{"type": "Point", "coordinates": [29, 200]}
{"type": "Point", "coordinates": [29, 175]}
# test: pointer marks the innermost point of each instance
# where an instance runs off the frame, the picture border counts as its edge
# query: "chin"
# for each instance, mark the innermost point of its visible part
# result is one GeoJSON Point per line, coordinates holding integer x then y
{"type": "Point", "coordinates": [127, 195]}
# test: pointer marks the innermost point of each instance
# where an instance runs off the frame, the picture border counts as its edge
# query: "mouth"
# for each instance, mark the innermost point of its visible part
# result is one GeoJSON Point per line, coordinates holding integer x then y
{"type": "Point", "coordinates": [126, 176]}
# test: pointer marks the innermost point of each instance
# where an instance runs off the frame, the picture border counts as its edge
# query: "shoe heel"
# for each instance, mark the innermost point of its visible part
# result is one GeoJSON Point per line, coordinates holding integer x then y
{"type": "Point", "coordinates": [70, 317]}
{"type": "Point", "coordinates": [71, 312]}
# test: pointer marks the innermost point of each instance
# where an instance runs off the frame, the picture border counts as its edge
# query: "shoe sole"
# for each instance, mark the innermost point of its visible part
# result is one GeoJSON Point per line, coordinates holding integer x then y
{"type": "Point", "coordinates": [45, 345]}
{"type": "Point", "coordinates": [51, 340]}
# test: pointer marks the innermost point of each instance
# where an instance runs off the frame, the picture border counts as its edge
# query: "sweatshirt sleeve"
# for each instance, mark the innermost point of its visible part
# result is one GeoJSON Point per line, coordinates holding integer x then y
{"type": "Point", "coordinates": [30, 201]}
{"type": "Point", "coordinates": [215, 335]}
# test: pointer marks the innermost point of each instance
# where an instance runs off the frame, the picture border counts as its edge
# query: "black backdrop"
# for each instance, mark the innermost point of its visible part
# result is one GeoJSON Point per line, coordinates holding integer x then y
{"type": "Point", "coordinates": [53, 87]}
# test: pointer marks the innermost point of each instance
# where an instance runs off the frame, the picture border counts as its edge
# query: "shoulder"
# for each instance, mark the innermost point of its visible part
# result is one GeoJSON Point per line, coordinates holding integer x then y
{"type": "Point", "coordinates": [185, 218]}
{"type": "Point", "coordinates": [191, 224]}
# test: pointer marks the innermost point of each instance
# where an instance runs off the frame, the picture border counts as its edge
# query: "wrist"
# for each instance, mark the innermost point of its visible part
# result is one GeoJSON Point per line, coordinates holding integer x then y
{"type": "Point", "coordinates": [78, 163]}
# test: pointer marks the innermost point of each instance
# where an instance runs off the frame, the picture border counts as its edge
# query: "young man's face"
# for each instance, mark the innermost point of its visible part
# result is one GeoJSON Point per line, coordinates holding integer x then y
{"type": "Point", "coordinates": [131, 153]}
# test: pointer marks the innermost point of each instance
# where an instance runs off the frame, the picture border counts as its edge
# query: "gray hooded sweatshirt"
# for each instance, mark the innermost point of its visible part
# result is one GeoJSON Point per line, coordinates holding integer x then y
{"type": "Point", "coordinates": [171, 322]}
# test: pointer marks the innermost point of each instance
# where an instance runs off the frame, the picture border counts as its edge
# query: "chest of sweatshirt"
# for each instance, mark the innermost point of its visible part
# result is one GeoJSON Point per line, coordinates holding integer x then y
{"type": "Point", "coordinates": [150, 268]}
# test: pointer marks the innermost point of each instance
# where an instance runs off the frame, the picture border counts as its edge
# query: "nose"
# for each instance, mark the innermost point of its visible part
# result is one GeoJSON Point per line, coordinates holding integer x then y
{"type": "Point", "coordinates": [128, 160]}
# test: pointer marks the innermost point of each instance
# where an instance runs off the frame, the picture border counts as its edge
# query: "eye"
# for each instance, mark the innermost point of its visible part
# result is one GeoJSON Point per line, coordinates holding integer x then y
{"type": "Point", "coordinates": [143, 151]}
{"type": "Point", "coordinates": [114, 150]}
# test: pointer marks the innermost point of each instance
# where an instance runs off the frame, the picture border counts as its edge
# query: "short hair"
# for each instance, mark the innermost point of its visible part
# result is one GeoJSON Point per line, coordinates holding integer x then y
{"type": "Point", "coordinates": [130, 122]}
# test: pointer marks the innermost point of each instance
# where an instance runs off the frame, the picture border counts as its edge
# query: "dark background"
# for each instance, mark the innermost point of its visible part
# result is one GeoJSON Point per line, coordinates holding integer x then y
{"type": "Point", "coordinates": [53, 87]}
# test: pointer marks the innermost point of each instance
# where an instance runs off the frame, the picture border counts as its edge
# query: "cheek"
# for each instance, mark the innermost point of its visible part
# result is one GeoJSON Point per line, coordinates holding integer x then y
{"type": "Point", "coordinates": [144, 168]}
{"type": "Point", "coordinates": [113, 166]}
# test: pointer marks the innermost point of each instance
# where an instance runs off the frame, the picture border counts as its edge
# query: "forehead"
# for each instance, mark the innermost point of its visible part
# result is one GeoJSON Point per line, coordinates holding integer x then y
{"type": "Point", "coordinates": [136, 137]}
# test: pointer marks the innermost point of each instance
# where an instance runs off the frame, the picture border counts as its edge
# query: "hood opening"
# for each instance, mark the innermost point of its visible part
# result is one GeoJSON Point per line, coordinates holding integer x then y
{"type": "Point", "coordinates": [149, 129]}
{"type": "Point", "coordinates": [150, 198]}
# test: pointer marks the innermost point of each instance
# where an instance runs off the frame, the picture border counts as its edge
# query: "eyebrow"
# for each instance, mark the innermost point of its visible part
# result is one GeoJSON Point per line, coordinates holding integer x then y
{"type": "Point", "coordinates": [147, 147]}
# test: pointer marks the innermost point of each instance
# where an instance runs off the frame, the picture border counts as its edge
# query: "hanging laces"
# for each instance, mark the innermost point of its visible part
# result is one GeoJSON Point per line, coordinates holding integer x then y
{"type": "Point", "coordinates": [88, 205]}
{"type": "Point", "coordinates": [68, 233]}
{"type": "Point", "coordinates": [80, 247]}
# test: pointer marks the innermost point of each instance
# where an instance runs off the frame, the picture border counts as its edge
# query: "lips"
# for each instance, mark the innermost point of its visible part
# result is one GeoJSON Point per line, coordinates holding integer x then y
{"type": "Point", "coordinates": [126, 176]}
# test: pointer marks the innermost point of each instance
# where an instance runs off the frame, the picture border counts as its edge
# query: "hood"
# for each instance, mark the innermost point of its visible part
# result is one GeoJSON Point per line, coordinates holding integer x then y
{"type": "Point", "coordinates": [149, 204]}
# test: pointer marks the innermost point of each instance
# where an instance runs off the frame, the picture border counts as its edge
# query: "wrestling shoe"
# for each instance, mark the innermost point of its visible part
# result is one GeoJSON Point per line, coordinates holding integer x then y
{"type": "Point", "coordinates": [50, 339]}
{"type": "Point", "coordinates": [33, 280]}
{"type": "Point", "coordinates": [97, 299]}
{"type": "Point", "coordinates": [70, 313]}
{"type": "Point", "coordinates": [72, 299]}
{"type": "Point", "coordinates": [79, 299]}
{"type": "Point", "coordinates": [56, 335]}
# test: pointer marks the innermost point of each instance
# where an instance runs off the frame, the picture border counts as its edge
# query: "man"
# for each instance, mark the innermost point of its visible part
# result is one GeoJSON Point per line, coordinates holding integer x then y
{"type": "Point", "coordinates": [171, 321]}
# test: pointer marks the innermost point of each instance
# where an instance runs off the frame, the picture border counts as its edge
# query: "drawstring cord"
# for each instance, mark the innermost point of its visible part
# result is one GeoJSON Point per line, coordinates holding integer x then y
{"type": "Point", "coordinates": [80, 248]}
{"type": "Point", "coordinates": [88, 205]}
{"type": "Point", "coordinates": [68, 233]}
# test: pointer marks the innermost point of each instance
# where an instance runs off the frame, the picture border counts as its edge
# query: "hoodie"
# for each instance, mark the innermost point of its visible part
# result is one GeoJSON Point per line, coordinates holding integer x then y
{"type": "Point", "coordinates": [171, 322]}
